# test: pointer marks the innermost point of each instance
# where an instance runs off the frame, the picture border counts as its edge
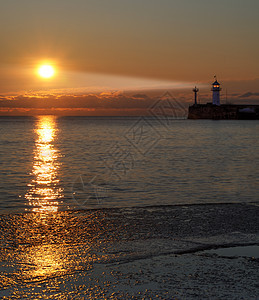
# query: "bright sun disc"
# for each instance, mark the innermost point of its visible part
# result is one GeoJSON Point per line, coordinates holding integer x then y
{"type": "Point", "coordinates": [46, 71]}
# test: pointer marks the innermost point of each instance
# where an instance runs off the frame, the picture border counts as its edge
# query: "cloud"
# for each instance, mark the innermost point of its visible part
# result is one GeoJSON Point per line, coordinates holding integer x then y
{"type": "Point", "coordinates": [248, 94]}
{"type": "Point", "coordinates": [140, 96]}
{"type": "Point", "coordinates": [102, 103]}
{"type": "Point", "coordinates": [103, 100]}
{"type": "Point", "coordinates": [108, 103]}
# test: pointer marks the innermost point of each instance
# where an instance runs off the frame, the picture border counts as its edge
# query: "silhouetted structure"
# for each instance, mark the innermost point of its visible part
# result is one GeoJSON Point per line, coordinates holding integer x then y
{"type": "Point", "coordinates": [217, 111]}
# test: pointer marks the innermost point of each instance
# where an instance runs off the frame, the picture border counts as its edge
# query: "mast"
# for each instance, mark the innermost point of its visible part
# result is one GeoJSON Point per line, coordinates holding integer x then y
{"type": "Point", "coordinates": [195, 90]}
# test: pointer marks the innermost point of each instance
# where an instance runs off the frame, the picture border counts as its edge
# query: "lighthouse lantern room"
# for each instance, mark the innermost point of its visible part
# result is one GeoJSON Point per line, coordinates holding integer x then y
{"type": "Point", "coordinates": [215, 92]}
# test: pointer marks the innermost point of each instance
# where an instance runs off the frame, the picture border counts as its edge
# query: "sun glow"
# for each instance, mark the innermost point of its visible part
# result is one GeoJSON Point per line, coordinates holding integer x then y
{"type": "Point", "coordinates": [46, 71]}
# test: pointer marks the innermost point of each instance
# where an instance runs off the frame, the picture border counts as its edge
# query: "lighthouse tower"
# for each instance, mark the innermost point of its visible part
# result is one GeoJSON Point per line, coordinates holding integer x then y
{"type": "Point", "coordinates": [215, 92]}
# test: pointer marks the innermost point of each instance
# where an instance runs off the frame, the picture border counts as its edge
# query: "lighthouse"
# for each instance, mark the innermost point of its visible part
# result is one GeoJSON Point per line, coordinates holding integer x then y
{"type": "Point", "coordinates": [215, 92]}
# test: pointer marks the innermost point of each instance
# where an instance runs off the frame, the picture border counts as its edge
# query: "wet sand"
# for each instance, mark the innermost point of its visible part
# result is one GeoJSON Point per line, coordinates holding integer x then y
{"type": "Point", "coordinates": [158, 252]}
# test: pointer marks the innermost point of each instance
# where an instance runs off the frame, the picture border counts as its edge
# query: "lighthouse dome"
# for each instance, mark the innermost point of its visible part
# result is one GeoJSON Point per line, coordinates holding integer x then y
{"type": "Point", "coordinates": [215, 83]}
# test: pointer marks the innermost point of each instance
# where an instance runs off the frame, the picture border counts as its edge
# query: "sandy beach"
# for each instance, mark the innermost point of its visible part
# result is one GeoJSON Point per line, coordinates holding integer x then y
{"type": "Point", "coordinates": [132, 253]}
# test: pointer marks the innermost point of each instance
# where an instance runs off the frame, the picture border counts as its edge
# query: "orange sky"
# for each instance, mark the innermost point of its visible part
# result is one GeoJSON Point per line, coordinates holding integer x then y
{"type": "Point", "coordinates": [123, 46]}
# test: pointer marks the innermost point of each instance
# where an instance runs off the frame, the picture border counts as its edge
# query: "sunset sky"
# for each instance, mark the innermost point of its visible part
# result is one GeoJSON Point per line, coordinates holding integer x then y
{"type": "Point", "coordinates": [124, 51]}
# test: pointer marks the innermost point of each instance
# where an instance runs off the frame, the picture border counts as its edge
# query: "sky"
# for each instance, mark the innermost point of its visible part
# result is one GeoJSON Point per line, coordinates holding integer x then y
{"type": "Point", "coordinates": [122, 48]}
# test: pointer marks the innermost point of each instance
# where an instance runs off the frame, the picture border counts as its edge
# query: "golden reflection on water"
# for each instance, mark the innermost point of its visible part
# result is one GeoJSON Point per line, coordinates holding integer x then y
{"type": "Point", "coordinates": [45, 261]}
{"type": "Point", "coordinates": [44, 194]}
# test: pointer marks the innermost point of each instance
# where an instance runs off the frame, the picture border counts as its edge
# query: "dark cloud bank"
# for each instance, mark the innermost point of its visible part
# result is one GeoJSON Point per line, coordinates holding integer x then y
{"type": "Point", "coordinates": [107, 103]}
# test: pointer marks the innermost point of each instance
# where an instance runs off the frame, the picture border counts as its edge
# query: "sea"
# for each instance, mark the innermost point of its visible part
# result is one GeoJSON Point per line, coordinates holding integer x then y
{"type": "Point", "coordinates": [126, 207]}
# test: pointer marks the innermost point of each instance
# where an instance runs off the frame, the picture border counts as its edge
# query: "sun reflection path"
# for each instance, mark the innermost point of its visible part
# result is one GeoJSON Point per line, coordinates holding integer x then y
{"type": "Point", "coordinates": [44, 194]}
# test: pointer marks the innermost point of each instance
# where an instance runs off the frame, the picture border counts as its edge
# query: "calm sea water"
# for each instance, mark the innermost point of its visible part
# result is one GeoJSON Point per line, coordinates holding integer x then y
{"type": "Point", "coordinates": [50, 164]}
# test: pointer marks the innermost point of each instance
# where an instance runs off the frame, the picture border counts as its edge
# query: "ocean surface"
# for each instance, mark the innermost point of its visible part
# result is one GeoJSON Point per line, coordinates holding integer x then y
{"type": "Point", "coordinates": [50, 164]}
{"type": "Point", "coordinates": [128, 208]}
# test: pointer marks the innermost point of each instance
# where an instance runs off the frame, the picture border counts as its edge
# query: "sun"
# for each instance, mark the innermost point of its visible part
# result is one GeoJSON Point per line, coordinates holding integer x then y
{"type": "Point", "coordinates": [46, 71]}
